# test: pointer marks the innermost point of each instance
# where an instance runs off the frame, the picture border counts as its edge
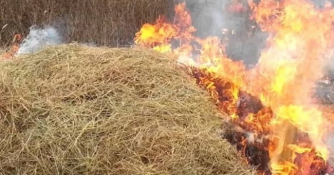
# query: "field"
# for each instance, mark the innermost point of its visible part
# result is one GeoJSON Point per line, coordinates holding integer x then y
{"type": "Point", "coordinates": [75, 109]}
{"type": "Point", "coordinates": [179, 87]}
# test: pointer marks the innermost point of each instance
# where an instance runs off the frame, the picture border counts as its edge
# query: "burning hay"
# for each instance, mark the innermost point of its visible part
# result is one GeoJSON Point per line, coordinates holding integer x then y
{"type": "Point", "coordinates": [271, 105]}
{"type": "Point", "coordinates": [77, 110]}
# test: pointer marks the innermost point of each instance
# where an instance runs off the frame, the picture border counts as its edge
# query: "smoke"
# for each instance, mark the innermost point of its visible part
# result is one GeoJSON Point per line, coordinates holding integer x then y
{"type": "Point", "coordinates": [244, 39]}
{"type": "Point", "coordinates": [39, 38]}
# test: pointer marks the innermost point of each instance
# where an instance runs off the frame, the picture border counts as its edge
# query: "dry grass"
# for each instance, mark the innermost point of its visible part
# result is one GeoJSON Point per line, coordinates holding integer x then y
{"type": "Point", "coordinates": [79, 110]}
{"type": "Point", "coordinates": [104, 22]}
{"type": "Point", "coordinates": [115, 22]}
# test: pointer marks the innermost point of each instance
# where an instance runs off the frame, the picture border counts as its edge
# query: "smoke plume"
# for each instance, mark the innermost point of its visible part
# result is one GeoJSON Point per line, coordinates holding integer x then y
{"type": "Point", "coordinates": [214, 17]}
{"type": "Point", "coordinates": [39, 38]}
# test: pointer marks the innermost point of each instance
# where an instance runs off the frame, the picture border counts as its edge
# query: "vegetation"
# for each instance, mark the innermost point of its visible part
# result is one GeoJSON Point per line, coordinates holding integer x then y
{"type": "Point", "coordinates": [78, 110]}
{"type": "Point", "coordinates": [104, 22]}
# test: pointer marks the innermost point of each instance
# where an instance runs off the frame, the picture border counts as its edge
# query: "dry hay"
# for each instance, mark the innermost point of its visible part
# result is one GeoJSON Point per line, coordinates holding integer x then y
{"type": "Point", "coordinates": [80, 110]}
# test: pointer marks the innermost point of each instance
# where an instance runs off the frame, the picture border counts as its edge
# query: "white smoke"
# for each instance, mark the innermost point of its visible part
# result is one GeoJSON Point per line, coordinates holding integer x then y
{"type": "Point", "coordinates": [228, 20]}
{"type": "Point", "coordinates": [39, 38]}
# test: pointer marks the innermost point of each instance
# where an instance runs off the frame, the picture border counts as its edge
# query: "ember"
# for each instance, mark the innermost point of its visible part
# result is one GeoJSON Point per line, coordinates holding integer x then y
{"type": "Point", "coordinates": [273, 118]}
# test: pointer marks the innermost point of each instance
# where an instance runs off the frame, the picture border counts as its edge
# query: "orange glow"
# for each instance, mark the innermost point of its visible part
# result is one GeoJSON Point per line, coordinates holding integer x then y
{"type": "Point", "coordinates": [14, 48]}
{"type": "Point", "coordinates": [236, 6]}
{"type": "Point", "coordinates": [301, 38]}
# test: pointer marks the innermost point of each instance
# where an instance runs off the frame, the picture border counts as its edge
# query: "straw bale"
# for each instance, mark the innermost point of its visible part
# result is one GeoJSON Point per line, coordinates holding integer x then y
{"type": "Point", "coordinates": [75, 109]}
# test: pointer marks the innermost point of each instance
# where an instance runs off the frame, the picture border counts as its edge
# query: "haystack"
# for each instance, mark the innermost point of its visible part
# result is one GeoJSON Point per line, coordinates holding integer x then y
{"type": "Point", "coordinates": [77, 110]}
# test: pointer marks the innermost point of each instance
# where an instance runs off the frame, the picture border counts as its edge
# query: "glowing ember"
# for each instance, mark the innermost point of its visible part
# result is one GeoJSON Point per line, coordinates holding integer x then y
{"type": "Point", "coordinates": [290, 128]}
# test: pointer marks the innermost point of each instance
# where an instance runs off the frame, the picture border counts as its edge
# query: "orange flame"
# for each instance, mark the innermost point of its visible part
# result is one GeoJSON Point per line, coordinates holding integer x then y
{"type": "Point", "coordinates": [15, 47]}
{"type": "Point", "coordinates": [302, 38]}
{"type": "Point", "coordinates": [298, 49]}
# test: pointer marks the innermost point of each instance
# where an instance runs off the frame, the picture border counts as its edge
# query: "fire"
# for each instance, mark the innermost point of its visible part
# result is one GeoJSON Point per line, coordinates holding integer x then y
{"type": "Point", "coordinates": [210, 53]}
{"type": "Point", "coordinates": [302, 38]}
{"type": "Point", "coordinates": [236, 7]}
{"type": "Point", "coordinates": [157, 36]}
{"type": "Point", "coordinates": [299, 46]}
{"type": "Point", "coordinates": [15, 47]}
